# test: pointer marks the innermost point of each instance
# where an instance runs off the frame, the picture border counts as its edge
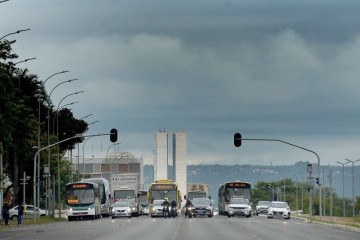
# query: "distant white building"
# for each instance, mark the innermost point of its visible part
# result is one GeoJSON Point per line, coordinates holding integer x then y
{"type": "Point", "coordinates": [180, 162]}
{"type": "Point", "coordinates": [161, 155]}
{"type": "Point", "coordinates": [118, 162]}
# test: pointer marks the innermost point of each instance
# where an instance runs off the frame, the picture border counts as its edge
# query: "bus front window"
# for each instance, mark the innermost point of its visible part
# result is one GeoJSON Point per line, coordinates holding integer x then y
{"type": "Point", "coordinates": [80, 196]}
{"type": "Point", "coordinates": [160, 194]}
{"type": "Point", "coordinates": [238, 192]}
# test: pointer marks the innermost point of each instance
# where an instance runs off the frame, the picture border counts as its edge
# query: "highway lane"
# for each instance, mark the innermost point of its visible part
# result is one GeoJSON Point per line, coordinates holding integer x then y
{"type": "Point", "coordinates": [146, 228]}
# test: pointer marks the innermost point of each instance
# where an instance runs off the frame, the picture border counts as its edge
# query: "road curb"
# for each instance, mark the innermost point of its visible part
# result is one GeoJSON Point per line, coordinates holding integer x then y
{"type": "Point", "coordinates": [355, 229]}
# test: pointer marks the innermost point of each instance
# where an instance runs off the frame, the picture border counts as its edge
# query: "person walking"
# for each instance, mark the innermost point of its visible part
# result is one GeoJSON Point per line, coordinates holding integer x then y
{"type": "Point", "coordinates": [20, 213]}
{"type": "Point", "coordinates": [5, 213]}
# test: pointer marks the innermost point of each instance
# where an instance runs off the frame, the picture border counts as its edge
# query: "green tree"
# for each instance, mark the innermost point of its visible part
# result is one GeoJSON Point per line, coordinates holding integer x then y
{"type": "Point", "coordinates": [357, 205]}
{"type": "Point", "coordinates": [22, 98]}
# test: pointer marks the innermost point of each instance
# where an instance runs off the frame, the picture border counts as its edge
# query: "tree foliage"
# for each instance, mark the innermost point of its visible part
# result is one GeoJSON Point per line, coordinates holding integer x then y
{"type": "Point", "coordinates": [24, 104]}
{"type": "Point", "coordinates": [297, 196]}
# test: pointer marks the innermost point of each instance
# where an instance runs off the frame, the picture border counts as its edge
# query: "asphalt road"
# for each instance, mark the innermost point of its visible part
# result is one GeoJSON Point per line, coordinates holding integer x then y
{"type": "Point", "coordinates": [218, 227]}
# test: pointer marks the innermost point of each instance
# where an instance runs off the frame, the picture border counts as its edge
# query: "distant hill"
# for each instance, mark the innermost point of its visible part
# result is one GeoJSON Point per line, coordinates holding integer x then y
{"type": "Point", "coordinates": [215, 175]}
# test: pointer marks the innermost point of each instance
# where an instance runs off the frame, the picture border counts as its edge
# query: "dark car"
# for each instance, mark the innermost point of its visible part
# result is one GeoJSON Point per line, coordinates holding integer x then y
{"type": "Point", "coordinates": [203, 207]}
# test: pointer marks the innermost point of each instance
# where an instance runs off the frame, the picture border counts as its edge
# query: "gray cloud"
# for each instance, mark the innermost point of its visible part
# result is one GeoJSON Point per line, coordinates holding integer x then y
{"type": "Point", "coordinates": [212, 68]}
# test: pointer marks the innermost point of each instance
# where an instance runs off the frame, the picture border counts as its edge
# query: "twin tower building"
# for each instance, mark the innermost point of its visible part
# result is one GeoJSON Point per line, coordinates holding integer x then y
{"type": "Point", "coordinates": [161, 162]}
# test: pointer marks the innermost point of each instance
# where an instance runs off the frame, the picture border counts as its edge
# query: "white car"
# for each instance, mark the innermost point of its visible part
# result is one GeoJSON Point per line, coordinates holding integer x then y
{"type": "Point", "coordinates": [239, 206]}
{"type": "Point", "coordinates": [145, 210]}
{"type": "Point", "coordinates": [121, 209]}
{"type": "Point", "coordinates": [262, 207]}
{"type": "Point", "coordinates": [156, 209]}
{"type": "Point", "coordinates": [279, 209]}
{"type": "Point", "coordinates": [28, 210]}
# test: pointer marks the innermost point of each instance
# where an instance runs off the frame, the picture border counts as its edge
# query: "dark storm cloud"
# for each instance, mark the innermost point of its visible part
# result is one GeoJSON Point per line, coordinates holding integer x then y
{"type": "Point", "coordinates": [285, 69]}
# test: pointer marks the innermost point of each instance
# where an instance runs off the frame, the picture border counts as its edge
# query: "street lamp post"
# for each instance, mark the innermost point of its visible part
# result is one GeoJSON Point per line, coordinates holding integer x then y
{"type": "Point", "coordinates": [343, 164]}
{"type": "Point", "coordinates": [108, 150]}
{"type": "Point", "coordinates": [302, 191]}
{"type": "Point", "coordinates": [37, 171]}
{"type": "Point", "coordinates": [25, 60]}
{"type": "Point", "coordinates": [297, 202]}
{"type": "Point", "coordinates": [18, 31]}
{"type": "Point", "coordinates": [331, 197]}
{"type": "Point", "coordinates": [86, 116]}
{"type": "Point", "coordinates": [284, 189]}
{"type": "Point", "coordinates": [324, 200]}
{"type": "Point", "coordinates": [83, 154]}
{"type": "Point", "coordinates": [78, 148]}
{"type": "Point", "coordinates": [58, 147]}
{"type": "Point", "coordinates": [24, 179]}
{"type": "Point", "coordinates": [309, 170]}
{"type": "Point", "coordinates": [48, 135]}
{"type": "Point", "coordinates": [353, 180]}
{"type": "Point", "coordinates": [93, 122]}
{"type": "Point", "coordinates": [272, 191]}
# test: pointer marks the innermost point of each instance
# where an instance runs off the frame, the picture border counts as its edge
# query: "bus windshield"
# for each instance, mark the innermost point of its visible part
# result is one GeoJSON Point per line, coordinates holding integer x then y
{"type": "Point", "coordinates": [237, 192]}
{"type": "Point", "coordinates": [123, 194]}
{"type": "Point", "coordinates": [80, 196]}
{"type": "Point", "coordinates": [193, 195]}
{"type": "Point", "coordinates": [143, 200]}
{"type": "Point", "coordinates": [162, 194]}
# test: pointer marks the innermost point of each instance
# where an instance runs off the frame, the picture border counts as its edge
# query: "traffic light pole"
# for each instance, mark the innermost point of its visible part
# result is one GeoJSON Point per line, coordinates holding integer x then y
{"type": "Point", "coordinates": [237, 135]}
{"type": "Point", "coordinates": [37, 154]}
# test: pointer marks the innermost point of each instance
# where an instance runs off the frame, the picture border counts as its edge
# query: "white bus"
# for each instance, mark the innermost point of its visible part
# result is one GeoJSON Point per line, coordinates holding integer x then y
{"type": "Point", "coordinates": [105, 193]}
{"type": "Point", "coordinates": [83, 201]}
{"type": "Point", "coordinates": [232, 189]}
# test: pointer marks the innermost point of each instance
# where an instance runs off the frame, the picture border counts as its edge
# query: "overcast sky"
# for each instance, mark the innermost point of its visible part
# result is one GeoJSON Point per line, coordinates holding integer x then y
{"type": "Point", "coordinates": [278, 69]}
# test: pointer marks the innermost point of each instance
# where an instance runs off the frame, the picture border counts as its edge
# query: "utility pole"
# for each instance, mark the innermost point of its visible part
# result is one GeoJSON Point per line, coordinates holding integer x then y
{"type": "Point", "coordinates": [24, 179]}
{"type": "Point", "coordinates": [302, 193]}
{"type": "Point", "coordinates": [324, 199]}
{"type": "Point", "coordinates": [343, 165]}
{"type": "Point", "coordinates": [309, 170]}
{"type": "Point", "coordinates": [353, 180]}
{"type": "Point", "coordinates": [331, 195]}
{"type": "Point", "coordinates": [237, 143]}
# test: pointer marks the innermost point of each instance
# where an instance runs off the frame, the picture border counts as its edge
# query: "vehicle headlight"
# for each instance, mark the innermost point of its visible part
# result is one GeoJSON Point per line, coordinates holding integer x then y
{"type": "Point", "coordinates": [70, 209]}
{"type": "Point", "coordinates": [90, 208]}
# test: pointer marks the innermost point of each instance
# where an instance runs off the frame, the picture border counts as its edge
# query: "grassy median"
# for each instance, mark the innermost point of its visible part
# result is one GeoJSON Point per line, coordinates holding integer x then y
{"type": "Point", "coordinates": [346, 221]}
{"type": "Point", "coordinates": [30, 221]}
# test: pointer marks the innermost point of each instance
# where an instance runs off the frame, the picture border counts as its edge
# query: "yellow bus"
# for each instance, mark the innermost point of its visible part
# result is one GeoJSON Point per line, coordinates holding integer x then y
{"type": "Point", "coordinates": [161, 189]}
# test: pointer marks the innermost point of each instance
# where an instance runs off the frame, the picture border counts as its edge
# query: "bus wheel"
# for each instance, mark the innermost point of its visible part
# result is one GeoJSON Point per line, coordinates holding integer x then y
{"type": "Point", "coordinates": [70, 219]}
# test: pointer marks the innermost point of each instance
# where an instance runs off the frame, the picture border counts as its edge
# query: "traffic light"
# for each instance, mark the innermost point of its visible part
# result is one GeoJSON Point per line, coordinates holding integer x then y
{"type": "Point", "coordinates": [237, 139]}
{"type": "Point", "coordinates": [318, 181]}
{"type": "Point", "coordinates": [113, 135]}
